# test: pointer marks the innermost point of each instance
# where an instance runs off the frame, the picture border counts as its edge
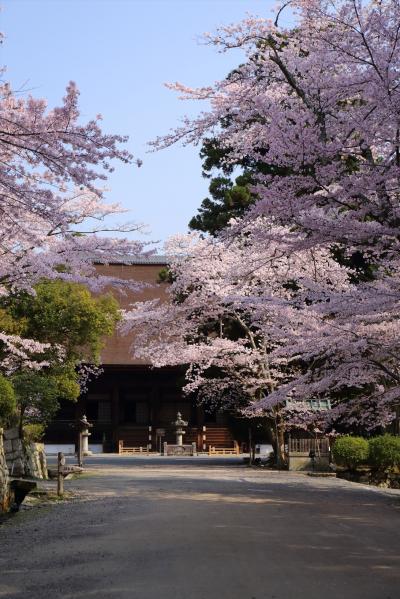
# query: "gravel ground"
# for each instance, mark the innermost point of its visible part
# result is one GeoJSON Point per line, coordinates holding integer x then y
{"type": "Point", "coordinates": [149, 528]}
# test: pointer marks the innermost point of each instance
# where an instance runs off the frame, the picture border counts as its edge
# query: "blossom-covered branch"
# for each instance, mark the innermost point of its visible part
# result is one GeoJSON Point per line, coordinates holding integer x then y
{"type": "Point", "coordinates": [321, 103]}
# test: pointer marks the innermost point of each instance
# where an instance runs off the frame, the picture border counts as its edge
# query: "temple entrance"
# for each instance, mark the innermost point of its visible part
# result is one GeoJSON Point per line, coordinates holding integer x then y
{"type": "Point", "coordinates": [135, 406]}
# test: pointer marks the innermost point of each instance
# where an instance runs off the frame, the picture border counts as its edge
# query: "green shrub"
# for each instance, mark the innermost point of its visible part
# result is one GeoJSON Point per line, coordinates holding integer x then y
{"type": "Point", "coordinates": [8, 404]}
{"type": "Point", "coordinates": [384, 452]}
{"type": "Point", "coordinates": [350, 451]}
{"type": "Point", "coordinates": [34, 432]}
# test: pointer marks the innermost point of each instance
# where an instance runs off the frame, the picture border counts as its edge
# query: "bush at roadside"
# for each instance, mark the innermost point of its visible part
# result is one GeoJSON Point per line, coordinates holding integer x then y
{"type": "Point", "coordinates": [384, 452]}
{"type": "Point", "coordinates": [7, 401]}
{"type": "Point", "coordinates": [350, 452]}
{"type": "Point", "coordinates": [34, 432]}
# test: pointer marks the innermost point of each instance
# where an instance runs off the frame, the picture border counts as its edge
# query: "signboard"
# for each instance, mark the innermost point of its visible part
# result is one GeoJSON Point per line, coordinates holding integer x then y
{"type": "Point", "coordinates": [160, 432]}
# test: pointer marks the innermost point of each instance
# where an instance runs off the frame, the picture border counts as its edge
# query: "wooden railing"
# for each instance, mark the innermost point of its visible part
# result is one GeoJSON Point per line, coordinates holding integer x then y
{"type": "Point", "coordinates": [131, 450]}
{"type": "Point", "coordinates": [224, 450]}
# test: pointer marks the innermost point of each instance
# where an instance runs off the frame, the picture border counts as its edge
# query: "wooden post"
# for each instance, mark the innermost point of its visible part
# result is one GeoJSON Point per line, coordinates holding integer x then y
{"type": "Point", "coordinates": [80, 450]}
{"type": "Point", "coordinates": [60, 475]}
{"type": "Point", "coordinates": [115, 415]}
{"type": "Point", "coordinates": [250, 447]}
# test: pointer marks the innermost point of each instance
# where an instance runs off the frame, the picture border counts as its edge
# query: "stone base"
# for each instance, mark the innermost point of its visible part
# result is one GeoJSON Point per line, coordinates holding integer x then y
{"type": "Point", "coordinates": [182, 450]}
{"type": "Point", "coordinates": [302, 461]}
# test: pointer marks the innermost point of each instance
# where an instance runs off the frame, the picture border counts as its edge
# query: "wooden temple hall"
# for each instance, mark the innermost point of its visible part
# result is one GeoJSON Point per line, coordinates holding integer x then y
{"type": "Point", "coordinates": [131, 404]}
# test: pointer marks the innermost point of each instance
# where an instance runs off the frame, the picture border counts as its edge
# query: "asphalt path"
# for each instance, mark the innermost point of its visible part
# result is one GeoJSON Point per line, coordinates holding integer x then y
{"type": "Point", "coordinates": [204, 528]}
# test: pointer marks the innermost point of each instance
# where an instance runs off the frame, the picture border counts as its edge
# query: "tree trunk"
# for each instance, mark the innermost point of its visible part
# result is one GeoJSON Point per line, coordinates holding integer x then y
{"type": "Point", "coordinates": [279, 444]}
{"type": "Point", "coordinates": [397, 421]}
{"type": "Point", "coordinates": [280, 455]}
{"type": "Point", "coordinates": [251, 453]}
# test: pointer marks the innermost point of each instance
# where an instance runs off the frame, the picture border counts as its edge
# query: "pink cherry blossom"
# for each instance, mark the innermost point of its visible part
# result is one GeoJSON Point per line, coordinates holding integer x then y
{"type": "Point", "coordinates": [53, 217]}
{"type": "Point", "coordinates": [321, 101]}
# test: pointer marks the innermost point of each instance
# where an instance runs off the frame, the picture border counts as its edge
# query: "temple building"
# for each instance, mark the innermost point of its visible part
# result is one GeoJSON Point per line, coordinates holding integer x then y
{"type": "Point", "coordinates": [132, 404]}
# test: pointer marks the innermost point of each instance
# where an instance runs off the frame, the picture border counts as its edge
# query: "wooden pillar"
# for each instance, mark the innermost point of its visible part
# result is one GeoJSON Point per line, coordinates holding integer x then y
{"type": "Point", "coordinates": [153, 413]}
{"type": "Point", "coordinates": [152, 406]}
{"type": "Point", "coordinates": [200, 416]}
{"type": "Point", "coordinates": [200, 426]}
{"type": "Point", "coordinates": [115, 416]}
{"type": "Point", "coordinates": [155, 406]}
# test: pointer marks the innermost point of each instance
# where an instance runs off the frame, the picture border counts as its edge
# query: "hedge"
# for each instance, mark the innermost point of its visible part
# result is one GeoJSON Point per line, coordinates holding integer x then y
{"type": "Point", "coordinates": [350, 451]}
{"type": "Point", "coordinates": [384, 452]}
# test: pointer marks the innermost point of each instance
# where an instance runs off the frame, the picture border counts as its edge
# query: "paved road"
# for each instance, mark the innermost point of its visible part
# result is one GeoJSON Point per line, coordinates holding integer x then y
{"type": "Point", "coordinates": [204, 529]}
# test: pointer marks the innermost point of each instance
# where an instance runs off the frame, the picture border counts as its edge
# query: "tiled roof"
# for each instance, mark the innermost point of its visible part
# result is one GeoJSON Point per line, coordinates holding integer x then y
{"type": "Point", "coordinates": [140, 259]}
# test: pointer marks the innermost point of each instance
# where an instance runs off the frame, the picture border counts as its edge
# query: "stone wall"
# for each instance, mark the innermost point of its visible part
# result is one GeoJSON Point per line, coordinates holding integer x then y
{"type": "Point", "coordinates": [35, 460]}
{"type": "Point", "coordinates": [13, 452]}
{"type": "Point", "coordinates": [4, 478]}
{"type": "Point", "coordinates": [302, 461]}
{"type": "Point", "coordinates": [23, 458]}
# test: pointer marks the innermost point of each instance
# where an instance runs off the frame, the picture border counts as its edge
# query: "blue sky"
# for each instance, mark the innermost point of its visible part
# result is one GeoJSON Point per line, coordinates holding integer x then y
{"type": "Point", "coordinates": [120, 53]}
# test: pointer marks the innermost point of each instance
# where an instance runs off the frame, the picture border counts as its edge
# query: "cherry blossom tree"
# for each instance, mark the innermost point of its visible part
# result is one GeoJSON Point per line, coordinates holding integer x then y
{"type": "Point", "coordinates": [235, 305]}
{"type": "Point", "coordinates": [321, 101]}
{"type": "Point", "coordinates": [50, 170]}
{"type": "Point", "coordinates": [53, 216]}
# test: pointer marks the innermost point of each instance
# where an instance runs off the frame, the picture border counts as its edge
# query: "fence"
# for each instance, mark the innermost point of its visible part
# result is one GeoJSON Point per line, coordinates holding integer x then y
{"type": "Point", "coordinates": [224, 450]}
{"type": "Point", "coordinates": [305, 445]}
{"type": "Point", "coordinates": [131, 450]}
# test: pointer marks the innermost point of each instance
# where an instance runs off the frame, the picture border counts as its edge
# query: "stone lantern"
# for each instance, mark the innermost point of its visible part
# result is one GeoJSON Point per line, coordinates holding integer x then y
{"type": "Point", "coordinates": [179, 423]}
{"type": "Point", "coordinates": [84, 426]}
